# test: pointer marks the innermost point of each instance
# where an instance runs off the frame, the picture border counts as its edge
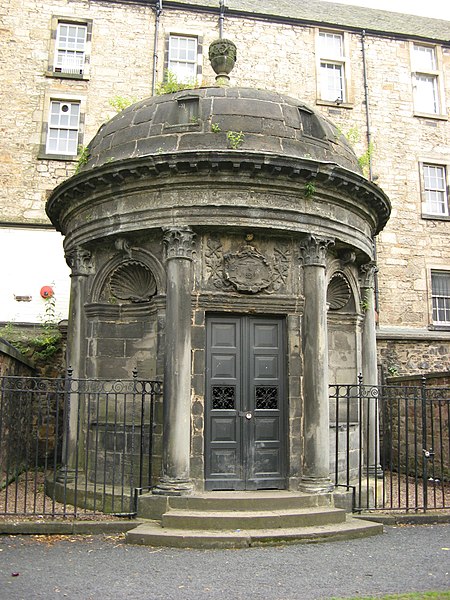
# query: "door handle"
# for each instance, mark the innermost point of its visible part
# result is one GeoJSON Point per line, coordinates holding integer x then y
{"type": "Point", "coordinates": [246, 413]}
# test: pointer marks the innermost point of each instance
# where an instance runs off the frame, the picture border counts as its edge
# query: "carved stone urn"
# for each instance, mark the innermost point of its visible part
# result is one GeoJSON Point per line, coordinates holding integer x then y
{"type": "Point", "coordinates": [222, 55]}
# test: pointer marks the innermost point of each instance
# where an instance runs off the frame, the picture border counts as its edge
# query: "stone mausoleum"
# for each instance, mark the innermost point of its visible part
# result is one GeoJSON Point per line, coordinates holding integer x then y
{"type": "Point", "coordinates": [222, 239]}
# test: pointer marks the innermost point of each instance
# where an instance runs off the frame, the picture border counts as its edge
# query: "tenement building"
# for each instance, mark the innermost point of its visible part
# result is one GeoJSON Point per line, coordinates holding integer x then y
{"type": "Point", "coordinates": [382, 78]}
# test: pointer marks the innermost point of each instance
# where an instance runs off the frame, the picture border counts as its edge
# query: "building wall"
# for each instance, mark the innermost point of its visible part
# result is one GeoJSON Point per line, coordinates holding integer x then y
{"type": "Point", "coordinates": [273, 55]}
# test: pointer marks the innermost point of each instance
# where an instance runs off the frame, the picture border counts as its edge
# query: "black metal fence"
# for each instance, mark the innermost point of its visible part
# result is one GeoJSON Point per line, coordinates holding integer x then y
{"type": "Point", "coordinates": [391, 445]}
{"type": "Point", "coordinates": [70, 446]}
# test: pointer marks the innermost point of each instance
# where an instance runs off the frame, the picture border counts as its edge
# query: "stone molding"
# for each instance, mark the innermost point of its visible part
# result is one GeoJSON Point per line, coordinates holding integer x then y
{"type": "Point", "coordinates": [178, 242]}
{"type": "Point", "coordinates": [297, 170]}
{"type": "Point", "coordinates": [313, 251]}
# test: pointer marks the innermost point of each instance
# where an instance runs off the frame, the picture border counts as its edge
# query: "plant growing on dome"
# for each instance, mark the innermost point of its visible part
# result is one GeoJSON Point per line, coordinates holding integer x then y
{"type": "Point", "coordinates": [310, 189]}
{"type": "Point", "coordinates": [215, 128]}
{"type": "Point", "coordinates": [235, 139]}
{"type": "Point", "coordinates": [83, 157]}
{"type": "Point", "coordinates": [119, 103]}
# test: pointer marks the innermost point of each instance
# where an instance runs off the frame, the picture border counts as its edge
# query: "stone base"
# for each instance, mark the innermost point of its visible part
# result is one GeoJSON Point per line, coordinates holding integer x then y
{"type": "Point", "coordinates": [173, 487]}
{"type": "Point", "coordinates": [316, 485]}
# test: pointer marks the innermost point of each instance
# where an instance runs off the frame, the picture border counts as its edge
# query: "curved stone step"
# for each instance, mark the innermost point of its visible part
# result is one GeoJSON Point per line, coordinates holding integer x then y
{"type": "Point", "coordinates": [265, 519]}
{"type": "Point", "coordinates": [152, 534]}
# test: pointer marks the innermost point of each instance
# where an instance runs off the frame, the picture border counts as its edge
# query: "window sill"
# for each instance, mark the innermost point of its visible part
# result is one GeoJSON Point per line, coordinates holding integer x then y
{"type": "Point", "coordinates": [331, 104]}
{"type": "Point", "coordinates": [431, 217]}
{"type": "Point", "coordinates": [67, 158]}
{"type": "Point", "coordinates": [77, 76]}
{"type": "Point", "coordinates": [437, 327]}
{"type": "Point", "coordinates": [433, 116]}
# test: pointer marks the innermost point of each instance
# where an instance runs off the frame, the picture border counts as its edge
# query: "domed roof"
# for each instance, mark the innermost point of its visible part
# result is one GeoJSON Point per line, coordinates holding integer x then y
{"type": "Point", "coordinates": [220, 119]}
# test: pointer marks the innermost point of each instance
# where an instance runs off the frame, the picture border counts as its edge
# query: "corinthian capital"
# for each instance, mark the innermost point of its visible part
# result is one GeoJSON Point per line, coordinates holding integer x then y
{"type": "Point", "coordinates": [79, 260]}
{"type": "Point", "coordinates": [179, 242]}
{"type": "Point", "coordinates": [367, 274]}
{"type": "Point", "coordinates": [313, 250]}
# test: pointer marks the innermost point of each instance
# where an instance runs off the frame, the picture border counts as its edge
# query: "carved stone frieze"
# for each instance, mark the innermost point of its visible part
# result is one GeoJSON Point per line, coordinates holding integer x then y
{"type": "Point", "coordinates": [179, 242]}
{"type": "Point", "coordinates": [247, 270]}
{"type": "Point", "coordinates": [79, 261]}
{"type": "Point", "coordinates": [313, 250]}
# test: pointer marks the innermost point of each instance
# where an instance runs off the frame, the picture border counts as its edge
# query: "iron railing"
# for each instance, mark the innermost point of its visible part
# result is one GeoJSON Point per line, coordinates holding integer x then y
{"type": "Point", "coordinates": [72, 446]}
{"type": "Point", "coordinates": [391, 445]}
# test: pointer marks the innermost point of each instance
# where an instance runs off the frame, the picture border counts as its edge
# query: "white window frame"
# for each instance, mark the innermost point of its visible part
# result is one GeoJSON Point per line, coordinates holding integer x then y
{"type": "Point", "coordinates": [176, 62]}
{"type": "Point", "coordinates": [52, 125]}
{"type": "Point", "coordinates": [77, 62]}
{"type": "Point", "coordinates": [440, 301]}
{"type": "Point", "coordinates": [70, 54]}
{"type": "Point", "coordinates": [435, 189]}
{"type": "Point", "coordinates": [427, 80]}
{"type": "Point", "coordinates": [332, 60]}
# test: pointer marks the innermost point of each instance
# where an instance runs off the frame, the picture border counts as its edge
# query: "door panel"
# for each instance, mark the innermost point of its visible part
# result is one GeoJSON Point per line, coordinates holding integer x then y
{"type": "Point", "coordinates": [244, 437]}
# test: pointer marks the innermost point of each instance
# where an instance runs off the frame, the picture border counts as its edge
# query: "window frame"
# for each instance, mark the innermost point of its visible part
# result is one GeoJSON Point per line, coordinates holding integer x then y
{"type": "Point", "coordinates": [340, 62]}
{"type": "Point", "coordinates": [57, 22]}
{"type": "Point", "coordinates": [436, 324]}
{"type": "Point", "coordinates": [197, 79]}
{"type": "Point", "coordinates": [434, 74]}
{"type": "Point", "coordinates": [426, 211]}
{"type": "Point", "coordinates": [53, 97]}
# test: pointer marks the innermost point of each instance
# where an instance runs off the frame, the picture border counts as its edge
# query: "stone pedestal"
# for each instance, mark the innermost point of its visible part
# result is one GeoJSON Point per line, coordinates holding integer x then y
{"type": "Point", "coordinates": [175, 478]}
{"type": "Point", "coordinates": [316, 463]}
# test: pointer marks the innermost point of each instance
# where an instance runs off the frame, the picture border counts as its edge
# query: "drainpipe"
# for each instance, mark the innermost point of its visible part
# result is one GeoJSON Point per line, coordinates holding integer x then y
{"type": "Point", "coordinates": [221, 17]}
{"type": "Point", "coordinates": [158, 10]}
{"type": "Point", "coordinates": [369, 145]}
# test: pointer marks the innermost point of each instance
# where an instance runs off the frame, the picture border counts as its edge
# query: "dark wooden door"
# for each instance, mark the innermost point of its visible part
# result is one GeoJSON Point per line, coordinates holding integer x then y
{"type": "Point", "coordinates": [245, 403]}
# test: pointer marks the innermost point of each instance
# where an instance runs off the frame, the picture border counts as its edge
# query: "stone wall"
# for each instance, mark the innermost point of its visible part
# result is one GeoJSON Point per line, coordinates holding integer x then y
{"type": "Point", "coordinates": [406, 357]}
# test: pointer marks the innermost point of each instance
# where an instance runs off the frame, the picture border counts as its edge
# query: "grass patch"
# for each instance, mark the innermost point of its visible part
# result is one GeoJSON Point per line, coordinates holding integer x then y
{"type": "Point", "coordinates": [411, 596]}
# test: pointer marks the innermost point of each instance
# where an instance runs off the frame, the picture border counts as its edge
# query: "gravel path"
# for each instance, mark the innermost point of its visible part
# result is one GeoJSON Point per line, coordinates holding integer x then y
{"type": "Point", "coordinates": [404, 558]}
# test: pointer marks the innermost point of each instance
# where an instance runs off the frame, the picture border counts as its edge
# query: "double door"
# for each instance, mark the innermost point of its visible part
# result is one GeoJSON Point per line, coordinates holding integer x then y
{"type": "Point", "coordinates": [245, 403]}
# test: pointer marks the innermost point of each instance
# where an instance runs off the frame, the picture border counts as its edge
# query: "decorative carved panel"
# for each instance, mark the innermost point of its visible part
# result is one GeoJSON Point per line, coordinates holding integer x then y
{"type": "Point", "coordinates": [132, 281]}
{"type": "Point", "coordinates": [247, 270]}
{"type": "Point", "coordinates": [338, 292]}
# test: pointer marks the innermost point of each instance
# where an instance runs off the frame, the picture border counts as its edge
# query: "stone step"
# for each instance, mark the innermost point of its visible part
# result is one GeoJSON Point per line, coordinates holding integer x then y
{"type": "Point", "coordinates": [153, 507]}
{"type": "Point", "coordinates": [239, 519]}
{"type": "Point", "coordinates": [152, 534]}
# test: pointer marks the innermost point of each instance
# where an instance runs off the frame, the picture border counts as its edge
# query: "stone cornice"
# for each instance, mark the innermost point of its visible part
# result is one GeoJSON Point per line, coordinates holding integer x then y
{"type": "Point", "coordinates": [253, 164]}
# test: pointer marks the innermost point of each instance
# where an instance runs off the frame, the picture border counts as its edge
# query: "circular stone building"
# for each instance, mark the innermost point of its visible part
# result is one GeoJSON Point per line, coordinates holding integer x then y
{"type": "Point", "coordinates": [221, 239]}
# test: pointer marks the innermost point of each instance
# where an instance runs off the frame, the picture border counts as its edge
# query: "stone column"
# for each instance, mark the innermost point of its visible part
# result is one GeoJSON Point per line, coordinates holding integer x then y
{"type": "Point", "coordinates": [316, 412]}
{"type": "Point", "coordinates": [370, 418]}
{"type": "Point", "coordinates": [175, 480]}
{"type": "Point", "coordinates": [79, 262]}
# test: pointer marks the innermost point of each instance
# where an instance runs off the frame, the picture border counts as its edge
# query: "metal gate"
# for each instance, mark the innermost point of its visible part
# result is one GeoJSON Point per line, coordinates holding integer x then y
{"type": "Point", "coordinates": [71, 446]}
{"type": "Point", "coordinates": [391, 445]}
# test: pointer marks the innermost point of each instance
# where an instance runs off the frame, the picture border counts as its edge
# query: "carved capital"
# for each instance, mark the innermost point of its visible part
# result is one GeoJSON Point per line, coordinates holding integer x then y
{"type": "Point", "coordinates": [179, 242]}
{"type": "Point", "coordinates": [367, 274]}
{"type": "Point", "coordinates": [79, 260]}
{"type": "Point", "coordinates": [313, 250]}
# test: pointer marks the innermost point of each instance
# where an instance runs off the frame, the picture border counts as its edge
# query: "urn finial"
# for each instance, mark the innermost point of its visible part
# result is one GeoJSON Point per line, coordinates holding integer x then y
{"type": "Point", "coordinates": [222, 55]}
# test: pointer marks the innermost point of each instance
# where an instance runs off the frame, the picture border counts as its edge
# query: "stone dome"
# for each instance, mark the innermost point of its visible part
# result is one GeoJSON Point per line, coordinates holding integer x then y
{"type": "Point", "coordinates": [219, 119]}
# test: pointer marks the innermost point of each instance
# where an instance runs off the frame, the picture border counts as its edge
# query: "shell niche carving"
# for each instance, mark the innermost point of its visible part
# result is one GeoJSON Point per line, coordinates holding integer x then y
{"type": "Point", "coordinates": [133, 281]}
{"type": "Point", "coordinates": [338, 292]}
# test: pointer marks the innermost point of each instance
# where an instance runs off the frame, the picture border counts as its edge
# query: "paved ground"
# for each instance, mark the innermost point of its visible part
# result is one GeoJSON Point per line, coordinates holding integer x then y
{"type": "Point", "coordinates": [404, 558]}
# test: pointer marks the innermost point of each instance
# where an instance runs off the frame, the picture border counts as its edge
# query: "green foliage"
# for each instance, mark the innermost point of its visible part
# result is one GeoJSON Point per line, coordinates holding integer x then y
{"type": "Point", "coordinates": [83, 157]}
{"type": "Point", "coordinates": [215, 128]}
{"type": "Point", "coordinates": [310, 189]}
{"type": "Point", "coordinates": [119, 103]}
{"type": "Point", "coordinates": [392, 370]}
{"type": "Point", "coordinates": [235, 139]}
{"type": "Point", "coordinates": [365, 159]}
{"type": "Point", "coordinates": [170, 84]}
